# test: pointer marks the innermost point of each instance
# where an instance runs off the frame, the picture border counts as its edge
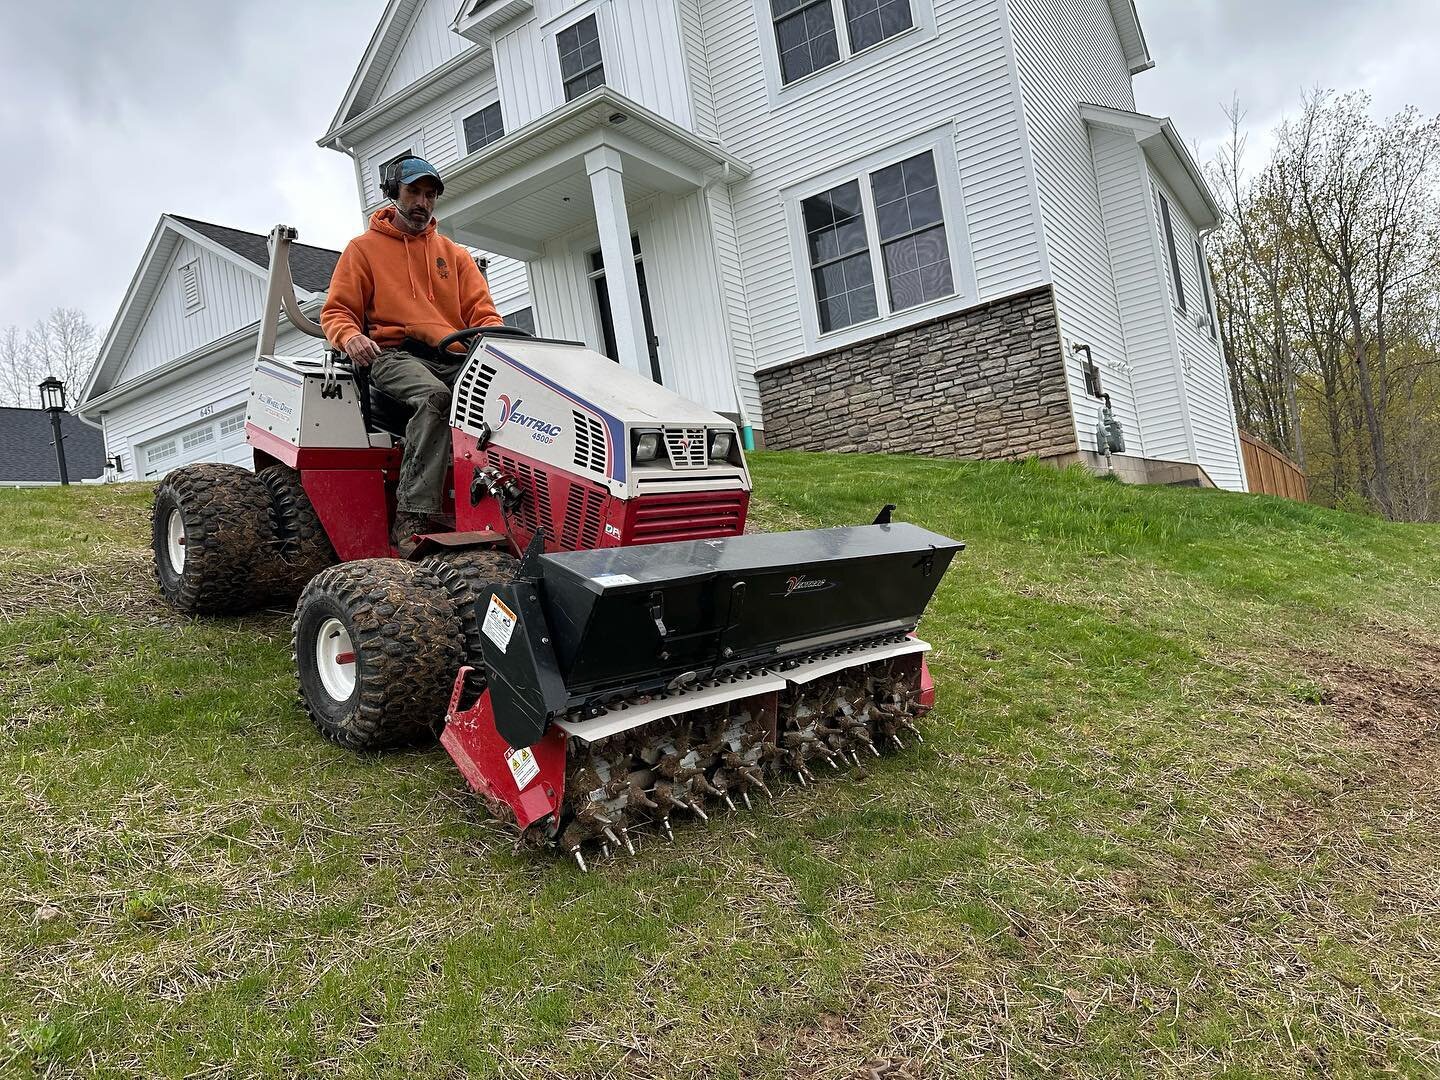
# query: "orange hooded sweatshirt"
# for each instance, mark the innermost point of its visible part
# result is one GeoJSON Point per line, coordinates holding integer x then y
{"type": "Point", "coordinates": [391, 285]}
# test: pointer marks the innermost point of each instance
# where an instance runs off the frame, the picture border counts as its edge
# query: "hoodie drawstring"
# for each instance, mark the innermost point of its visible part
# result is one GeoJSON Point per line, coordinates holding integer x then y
{"type": "Point", "coordinates": [409, 270]}
{"type": "Point", "coordinates": [429, 277]}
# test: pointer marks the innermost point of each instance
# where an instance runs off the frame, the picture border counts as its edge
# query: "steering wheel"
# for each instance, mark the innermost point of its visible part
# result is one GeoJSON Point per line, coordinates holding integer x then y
{"type": "Point", "coordinates": [470, 332]}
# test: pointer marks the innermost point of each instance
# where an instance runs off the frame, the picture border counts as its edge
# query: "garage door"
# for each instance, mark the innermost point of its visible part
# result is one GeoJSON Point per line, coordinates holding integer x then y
{"type": "Point", "coordinates": [217, 438]}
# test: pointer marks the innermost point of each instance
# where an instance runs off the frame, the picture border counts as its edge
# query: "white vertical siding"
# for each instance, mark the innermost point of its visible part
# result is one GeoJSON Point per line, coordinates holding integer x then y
{"type": "Point", "coordinates": [429, 43]}
{"type": "Point", "coordinates": [697, 69]}
{"type": "Point", "coordinates": [232, 297]}
{"type": "Point", "coordinates": [1207, 389]}
{"type": "Point", "coordinates": [526, 88]}
{"type": "Point", "coordinates": [736, 307]}
{"type": "Point", "coordinates": [966, 82]}
{"type": "Point", "coordinates": [1123, 180]}
{"type": "Point", "coordinates": [1069, 52]}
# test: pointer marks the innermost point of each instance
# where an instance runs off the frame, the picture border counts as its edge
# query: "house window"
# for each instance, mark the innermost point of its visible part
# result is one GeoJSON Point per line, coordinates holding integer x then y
{"type": "Point", "coordinates": [899, 230]}
{"type": "Point", "coordinates": [912, 232]}
{"type": "Point", "coordinates": [523, 319]}
{"type": "Point", "coordinates": [156, 454]}
{"type": "Point", "coordinates": [483, 127]}
{"type": "Point", "coordinates": [872, 21]}
{"type": "Point", "coordinates": [581, 65]}
{"type": "Point", "coordinates": [805, 36]}
{"type": "Point", "coordinates": [1205, 289]}
{"type": "Point", "coordinates": [190, 287]}
{"type": "Point", "coordinates": [229, 425]}
{"type": "Point", "coordinates": [1174, 256]}
{"type": "Point", "coordinates": [839, 257]}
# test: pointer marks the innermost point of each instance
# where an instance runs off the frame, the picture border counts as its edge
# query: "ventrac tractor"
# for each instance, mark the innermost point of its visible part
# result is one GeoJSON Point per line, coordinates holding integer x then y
{"type": "Point", "coordinates": [597, 642]}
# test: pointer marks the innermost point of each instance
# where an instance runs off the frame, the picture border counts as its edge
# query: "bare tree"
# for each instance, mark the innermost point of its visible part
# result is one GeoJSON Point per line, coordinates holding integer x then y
{"type": "Point", "coordinates": [64, 344]}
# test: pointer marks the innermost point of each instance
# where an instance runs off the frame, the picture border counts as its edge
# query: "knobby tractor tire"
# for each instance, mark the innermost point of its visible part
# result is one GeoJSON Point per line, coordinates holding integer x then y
{"type": "Point", "coordinates": [301, 547]}
{"type": "Point", "coordinates": [376, 645]}
{"type": "Point", "coordinates": [465, 574]}
{"type": "Point", "coordinates": [210, 535]}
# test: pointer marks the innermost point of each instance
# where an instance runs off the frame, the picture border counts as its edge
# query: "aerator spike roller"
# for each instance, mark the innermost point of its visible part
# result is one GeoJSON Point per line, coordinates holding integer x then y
{"type": "Point", "coordinates": [615, 652]}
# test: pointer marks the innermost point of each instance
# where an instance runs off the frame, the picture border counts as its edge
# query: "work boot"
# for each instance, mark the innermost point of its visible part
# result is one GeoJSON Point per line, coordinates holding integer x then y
{"type": "Point", "coordinates": [406, 526]}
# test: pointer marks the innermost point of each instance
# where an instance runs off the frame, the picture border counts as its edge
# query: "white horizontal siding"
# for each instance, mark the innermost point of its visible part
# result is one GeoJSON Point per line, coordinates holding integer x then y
{"type": "Point", "coordinates": [207, 386]}
{"type": "Point", "coordinates": [231, 297]}
{"type": "Point", "coordinates": [1143, 302]}
{"type": "Point", "coordinates": [960, 76]}
{"type": "Point", "coordinates": [1069, 52]}
{"type": "Point", "coordinates": [429, 43]}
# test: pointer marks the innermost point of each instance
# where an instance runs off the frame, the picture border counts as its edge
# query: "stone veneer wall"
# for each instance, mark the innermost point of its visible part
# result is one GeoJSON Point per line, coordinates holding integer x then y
{"type": "Point", "coordinates": [984, 383]}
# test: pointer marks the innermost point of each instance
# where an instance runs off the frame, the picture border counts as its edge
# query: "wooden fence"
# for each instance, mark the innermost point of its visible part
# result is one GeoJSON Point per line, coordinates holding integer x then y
{"type": "Point", "coordinates": [1270, 472]}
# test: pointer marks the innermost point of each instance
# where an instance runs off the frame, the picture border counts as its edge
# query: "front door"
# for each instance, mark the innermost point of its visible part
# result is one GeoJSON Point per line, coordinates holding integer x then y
{"type": "Point", "coordinates": [607, 321]}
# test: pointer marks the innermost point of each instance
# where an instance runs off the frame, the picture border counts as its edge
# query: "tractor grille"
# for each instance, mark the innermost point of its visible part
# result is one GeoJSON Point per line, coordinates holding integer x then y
{"type": "Point", "coordinates": [533, 513]}
{"type": "Point", "coordinates": [581, 531]}
{"type": "Point", "coordinates": [470, 393]}
{"type": "Point", "coordinates": [686, 518]}
{"type": "Point", "coordinates": [589, 443]}
{"type": "Point", "coordinates": [686, 447]}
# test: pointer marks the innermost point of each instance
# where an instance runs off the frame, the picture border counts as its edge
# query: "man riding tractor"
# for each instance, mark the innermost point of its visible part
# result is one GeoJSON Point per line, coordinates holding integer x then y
{"type": "Point", "coordinates": [397, 290]}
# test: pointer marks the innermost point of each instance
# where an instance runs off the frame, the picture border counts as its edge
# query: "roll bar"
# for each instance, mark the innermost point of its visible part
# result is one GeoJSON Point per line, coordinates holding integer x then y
{"type": "Point", "coordinates": [280, 293]}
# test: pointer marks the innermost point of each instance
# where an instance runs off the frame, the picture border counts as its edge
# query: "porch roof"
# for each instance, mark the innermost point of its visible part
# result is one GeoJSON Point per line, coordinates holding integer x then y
{"type": "Point", "coordinates": [532, 184]}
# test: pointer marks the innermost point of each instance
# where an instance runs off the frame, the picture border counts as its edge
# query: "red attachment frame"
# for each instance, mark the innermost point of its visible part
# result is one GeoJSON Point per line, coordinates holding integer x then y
{"type": "Point", "coordinates": [927, 687]}
{"type": "Point", "coordinates": [483, 757]}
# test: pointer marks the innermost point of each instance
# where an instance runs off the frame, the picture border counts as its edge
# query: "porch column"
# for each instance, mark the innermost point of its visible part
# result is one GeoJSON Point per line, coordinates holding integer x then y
{"type": "Point", "coordinates": [607, 189]}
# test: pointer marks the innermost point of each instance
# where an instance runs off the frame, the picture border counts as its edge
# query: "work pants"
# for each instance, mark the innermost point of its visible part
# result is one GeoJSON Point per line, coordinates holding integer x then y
{"type": "Point", "coordinates": [425, 386]}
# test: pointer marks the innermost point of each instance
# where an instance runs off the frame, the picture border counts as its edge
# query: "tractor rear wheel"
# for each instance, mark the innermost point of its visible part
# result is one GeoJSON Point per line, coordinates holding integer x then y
{"type": "Point", "coordinates": [376, 648]}
{"type": "Point", "coordinates": [210, 536]}
{"type": "Point", "coordinates": [301, 545]}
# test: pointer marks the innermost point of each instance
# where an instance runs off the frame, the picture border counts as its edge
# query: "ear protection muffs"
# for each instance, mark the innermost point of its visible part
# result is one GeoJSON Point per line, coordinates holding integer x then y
{"type": "Point", "coordinates": [390, 175]}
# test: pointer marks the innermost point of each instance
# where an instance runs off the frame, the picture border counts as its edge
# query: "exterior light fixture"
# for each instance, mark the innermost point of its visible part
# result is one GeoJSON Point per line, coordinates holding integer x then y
{"type": "Point", "coordinates": [52, 400]}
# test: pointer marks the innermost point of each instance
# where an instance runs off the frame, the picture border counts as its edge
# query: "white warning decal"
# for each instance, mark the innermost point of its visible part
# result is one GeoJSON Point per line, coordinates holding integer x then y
{"type": "Point", "coordinates": [499, 623]}
{"type": "Point", "coordinates": [614, 579]}
{"type": "Point", "coordinates": [523, 766]}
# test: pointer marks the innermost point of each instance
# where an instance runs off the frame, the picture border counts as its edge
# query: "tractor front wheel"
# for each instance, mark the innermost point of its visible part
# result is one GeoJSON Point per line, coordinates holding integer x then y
{"type": "Point", "coordinates": [210, 535]}
{"type": "Point", "coordinates": [302, 548]}
{"type": "Point", "coordinates": [376, 647]}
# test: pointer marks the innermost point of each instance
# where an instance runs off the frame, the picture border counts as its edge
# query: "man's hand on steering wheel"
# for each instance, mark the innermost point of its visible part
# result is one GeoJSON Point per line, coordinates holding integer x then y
{"type": "Point", "coordinates": [361, 350]}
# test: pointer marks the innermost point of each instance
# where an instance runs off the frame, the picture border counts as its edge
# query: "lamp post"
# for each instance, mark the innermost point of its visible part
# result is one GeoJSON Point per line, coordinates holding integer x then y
{"type": "Point", "coordinates": [52, 400]}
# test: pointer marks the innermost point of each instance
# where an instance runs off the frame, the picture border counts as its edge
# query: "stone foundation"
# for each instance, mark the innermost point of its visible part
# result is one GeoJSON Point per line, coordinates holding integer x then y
{"type": "Point", "coordinates": [984, 383]}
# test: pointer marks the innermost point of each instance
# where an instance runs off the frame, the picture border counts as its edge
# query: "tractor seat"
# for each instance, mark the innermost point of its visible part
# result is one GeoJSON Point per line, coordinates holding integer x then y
{"type": "Point", "coordinates": [388, 414]}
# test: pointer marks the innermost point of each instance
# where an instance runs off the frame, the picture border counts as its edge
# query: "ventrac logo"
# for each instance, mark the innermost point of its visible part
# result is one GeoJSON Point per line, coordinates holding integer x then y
{"type": "Point", "coordinates": [799, 583]}
{"type": "Point", "coordinates": [540, 430]}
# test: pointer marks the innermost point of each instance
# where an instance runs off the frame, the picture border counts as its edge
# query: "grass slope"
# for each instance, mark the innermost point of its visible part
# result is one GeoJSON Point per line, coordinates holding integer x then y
{"type": "Point", "coordinates": [1175, 816]}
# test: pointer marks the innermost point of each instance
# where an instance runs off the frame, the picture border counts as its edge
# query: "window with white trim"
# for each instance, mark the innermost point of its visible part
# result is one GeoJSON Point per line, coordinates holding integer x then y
{"type": "Point", "coordinates": [888, 222]}
{"type": "Point", "coordinates": [1209, 298]}
{"type": "Point", "coordinates": [376, 162]}
{"type": "Point", "coordinates": [190, 294]}
{"type": "Point", "coordinates": [1169, 230]}
{"type": "Point", "coordinates": [198, 437]}
{"type": "Point", "coordinates": [807, 40]}
{"type": "Point", "coordinates": [158, 453]}
{"type": "Point", "coordinates": [229, 425]}
{"type": "Point", "coordinates": [582, 66]}
{"type": "Point", "coordinates": [482, 127]}
{"type": "Point", "coordinates": [523, 318]}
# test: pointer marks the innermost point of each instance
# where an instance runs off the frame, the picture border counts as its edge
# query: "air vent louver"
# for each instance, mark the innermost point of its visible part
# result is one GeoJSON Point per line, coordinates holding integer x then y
{"type": "Point", "coordinates": [589, 443]}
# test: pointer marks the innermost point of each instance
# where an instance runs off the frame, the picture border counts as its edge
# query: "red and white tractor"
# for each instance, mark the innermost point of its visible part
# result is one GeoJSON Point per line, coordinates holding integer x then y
{"type": "Point", "coordinates": [596, 642]}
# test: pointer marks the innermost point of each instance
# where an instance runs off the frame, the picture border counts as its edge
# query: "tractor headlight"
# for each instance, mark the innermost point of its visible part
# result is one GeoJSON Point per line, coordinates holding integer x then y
{"type": "Point", "coordinates": [647, 446]}
{"type": "Point", "coordinates": [720, 445]}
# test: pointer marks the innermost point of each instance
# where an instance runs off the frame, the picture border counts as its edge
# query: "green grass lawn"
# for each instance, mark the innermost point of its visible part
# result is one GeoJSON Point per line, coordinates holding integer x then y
{"type": "Point", "coordinates": [1176, 814]}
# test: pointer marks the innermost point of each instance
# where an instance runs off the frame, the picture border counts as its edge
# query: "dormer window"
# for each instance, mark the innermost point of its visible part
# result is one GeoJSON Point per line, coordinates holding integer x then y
{"type": "Point", "coordinates": [582, 67]}
{"type": "Point", "coordinates": [483, 127]}
{"type": "Point", "coordinates": [190, 294]}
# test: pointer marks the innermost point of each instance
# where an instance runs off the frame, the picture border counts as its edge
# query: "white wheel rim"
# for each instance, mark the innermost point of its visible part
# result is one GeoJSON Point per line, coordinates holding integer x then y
{"type": "Point", "coordinates": [175, 541]}
{"type": "Point", "coordinates": [335, 660]}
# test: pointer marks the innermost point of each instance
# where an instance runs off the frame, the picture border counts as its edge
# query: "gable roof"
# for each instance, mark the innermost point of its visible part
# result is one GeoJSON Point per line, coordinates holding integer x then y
{"type": "Point", "coordinates": [310, 266]}
{"type": "Point", "coordinates": [1167, 152]}
{"type": "Point", "coordinates": [27, 451]}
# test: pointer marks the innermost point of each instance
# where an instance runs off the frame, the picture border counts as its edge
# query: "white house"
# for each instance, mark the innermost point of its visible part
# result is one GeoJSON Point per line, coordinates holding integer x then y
{"type": "Point", "coordinates": [936, 226]}
{"type": "Point", "coordinates": [841, 220]}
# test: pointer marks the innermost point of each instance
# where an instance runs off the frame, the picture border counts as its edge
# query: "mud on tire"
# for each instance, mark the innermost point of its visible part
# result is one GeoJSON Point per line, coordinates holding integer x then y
{"type": "Point", "coordinates": [210, 535]}
{"type": "Point", "coordinates": [376, 646]}
{"type": "Point", "coordinates": [465, 574]}
{"type": "Point", "coordinates": [300, 545]}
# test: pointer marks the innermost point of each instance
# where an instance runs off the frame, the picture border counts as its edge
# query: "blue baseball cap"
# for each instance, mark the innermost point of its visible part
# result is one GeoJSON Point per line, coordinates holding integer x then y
{"type": "Point", "coordinates": [412, 169]}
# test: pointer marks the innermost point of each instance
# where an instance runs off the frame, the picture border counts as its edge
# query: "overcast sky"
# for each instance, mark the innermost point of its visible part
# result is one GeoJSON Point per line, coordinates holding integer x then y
{"type": "Point", "coordinates": [112, 113]}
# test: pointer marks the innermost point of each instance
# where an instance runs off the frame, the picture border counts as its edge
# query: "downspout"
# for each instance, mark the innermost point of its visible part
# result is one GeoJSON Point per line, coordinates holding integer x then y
{"type": "Point", "coordinates": [747, 429]}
